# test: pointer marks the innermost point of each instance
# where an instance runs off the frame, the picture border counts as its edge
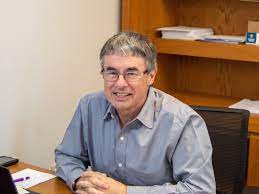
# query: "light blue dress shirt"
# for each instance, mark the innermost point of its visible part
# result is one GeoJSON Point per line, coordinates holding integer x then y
{"type": "Point", "coordinates": [166, 149]}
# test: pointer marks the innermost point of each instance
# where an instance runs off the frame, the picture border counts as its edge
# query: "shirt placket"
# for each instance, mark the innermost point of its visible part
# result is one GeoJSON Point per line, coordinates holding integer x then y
{"type": "Point", "coordinates": [121, 145]}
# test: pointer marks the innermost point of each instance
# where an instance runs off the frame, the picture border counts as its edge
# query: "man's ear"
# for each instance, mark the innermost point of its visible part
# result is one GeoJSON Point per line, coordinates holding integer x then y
{"type": "Point", "coordinates": [152, 76]}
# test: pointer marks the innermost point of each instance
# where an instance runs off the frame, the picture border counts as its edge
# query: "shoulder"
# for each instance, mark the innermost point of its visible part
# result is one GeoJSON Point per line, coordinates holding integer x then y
{"type": "Point", "coordinates": [95, 96]}
{"type": "Point", "coordinates": [174, 108]}
{"type": "Point", "coordinates": [94, 100]}
{"type": "Point", "coordinates": [178, 117]}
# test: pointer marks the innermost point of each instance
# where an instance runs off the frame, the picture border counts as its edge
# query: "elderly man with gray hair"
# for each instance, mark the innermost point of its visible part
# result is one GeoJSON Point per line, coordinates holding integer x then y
{"type": "Point", "coordinates": [136, 138]}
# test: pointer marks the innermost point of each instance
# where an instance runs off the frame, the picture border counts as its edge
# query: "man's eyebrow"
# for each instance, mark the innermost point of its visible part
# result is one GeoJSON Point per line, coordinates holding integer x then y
{"type": "Point", "coordinates": [111, 68]}
{"type": "Point", "coordinates": [132, 69]}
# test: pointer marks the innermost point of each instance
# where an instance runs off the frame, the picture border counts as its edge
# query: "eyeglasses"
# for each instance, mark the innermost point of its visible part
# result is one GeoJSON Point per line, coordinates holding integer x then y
{"type": "Point", "coordinates": [130, 76]}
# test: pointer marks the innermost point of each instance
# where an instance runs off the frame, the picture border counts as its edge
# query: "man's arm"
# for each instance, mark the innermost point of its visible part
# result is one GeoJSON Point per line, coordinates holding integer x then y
{"type": "Point", "coordinates": [71, 155]}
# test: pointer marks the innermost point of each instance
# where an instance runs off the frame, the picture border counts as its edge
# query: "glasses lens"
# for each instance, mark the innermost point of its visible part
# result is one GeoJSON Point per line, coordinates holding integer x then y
{"type": "Point", "coordinates": [110, 75]}
{"type": "Point", "coordinates": [132, 76]}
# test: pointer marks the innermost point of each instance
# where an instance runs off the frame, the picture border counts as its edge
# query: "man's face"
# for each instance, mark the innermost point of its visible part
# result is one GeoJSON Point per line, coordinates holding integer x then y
{"type": "Point", "coordinates": [128, 96]}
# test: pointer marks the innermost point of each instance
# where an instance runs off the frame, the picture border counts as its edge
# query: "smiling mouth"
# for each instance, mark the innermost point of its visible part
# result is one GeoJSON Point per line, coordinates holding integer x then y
{"type": "Point", "coordinates": [121, 94]}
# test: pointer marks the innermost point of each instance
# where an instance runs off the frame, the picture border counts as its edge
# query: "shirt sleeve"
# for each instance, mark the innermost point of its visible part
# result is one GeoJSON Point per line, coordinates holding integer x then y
{"type": "Point", "coordinates": [191, 163]}
{"type": "Point", "coordinates": [71, 155]}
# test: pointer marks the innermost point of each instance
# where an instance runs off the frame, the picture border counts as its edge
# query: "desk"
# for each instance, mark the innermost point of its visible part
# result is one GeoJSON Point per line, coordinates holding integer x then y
{"type": "Point", "coordinates": [53, 186]}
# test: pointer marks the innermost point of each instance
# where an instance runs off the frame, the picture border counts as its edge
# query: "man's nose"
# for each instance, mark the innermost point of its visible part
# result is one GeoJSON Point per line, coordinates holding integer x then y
{"type": "Point", "coordinates": [121, 81]}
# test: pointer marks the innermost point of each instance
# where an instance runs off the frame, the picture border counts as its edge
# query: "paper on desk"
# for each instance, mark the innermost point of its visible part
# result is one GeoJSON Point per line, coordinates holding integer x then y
{"type": "Point", "coordinates": [21, 190]}
{"type": "Point", "coordinates": [36, 177]}
{"type": "Point", "coordinates": [251, 105]}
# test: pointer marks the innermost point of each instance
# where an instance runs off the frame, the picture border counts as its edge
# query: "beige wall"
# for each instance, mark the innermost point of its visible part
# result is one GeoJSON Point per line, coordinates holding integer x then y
{"type": "Point", "coordinates": [48, 60]}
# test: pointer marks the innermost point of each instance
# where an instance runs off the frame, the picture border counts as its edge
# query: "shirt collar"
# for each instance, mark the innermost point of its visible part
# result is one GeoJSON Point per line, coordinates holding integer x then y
{"type": "Point", "coordinates": [110, 112]}
{"type": "Point", "coordinates": [147, 113]}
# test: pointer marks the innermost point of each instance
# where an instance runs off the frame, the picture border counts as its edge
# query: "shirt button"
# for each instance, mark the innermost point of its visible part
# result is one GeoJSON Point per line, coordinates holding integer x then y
{"type": "Point", "coordinates": [121, 138]}
{"type": "Point", "coordinates": [120, 164]}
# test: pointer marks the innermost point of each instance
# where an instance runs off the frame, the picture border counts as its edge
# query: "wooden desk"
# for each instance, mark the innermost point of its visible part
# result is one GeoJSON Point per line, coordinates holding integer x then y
{"type": "Point", "coordinates": [53, 186]}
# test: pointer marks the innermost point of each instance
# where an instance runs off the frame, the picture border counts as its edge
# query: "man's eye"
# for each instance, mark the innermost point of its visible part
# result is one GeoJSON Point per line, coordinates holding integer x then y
{"type": "Point", "coordinates": [132, 73]}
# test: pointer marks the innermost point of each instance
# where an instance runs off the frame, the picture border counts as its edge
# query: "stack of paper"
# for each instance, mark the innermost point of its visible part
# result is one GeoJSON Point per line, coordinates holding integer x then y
{"type": "Point", "coordinates": [224, 39]}
{"type": "Point", "coordinates": [251, 105]}
{"type": "Point", "coordinates": [185, 32]}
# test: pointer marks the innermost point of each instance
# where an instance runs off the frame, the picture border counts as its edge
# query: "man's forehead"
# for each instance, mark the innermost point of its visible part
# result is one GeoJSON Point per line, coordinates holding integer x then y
{"type": "Point", "coordinates": [125, 69]}
{"type": "Point", "coordinates": [126, 56]}
{"type": "Point", "coordinates": [125, 62]}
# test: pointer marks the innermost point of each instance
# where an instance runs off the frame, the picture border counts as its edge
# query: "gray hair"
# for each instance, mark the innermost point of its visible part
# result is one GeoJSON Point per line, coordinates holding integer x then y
{"type": "Point", "coordinates": [131, 44]}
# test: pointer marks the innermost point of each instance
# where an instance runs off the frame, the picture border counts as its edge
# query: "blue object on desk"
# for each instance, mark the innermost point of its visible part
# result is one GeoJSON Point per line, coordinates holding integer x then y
{"type": "Point", "coordinates": [251, 37]}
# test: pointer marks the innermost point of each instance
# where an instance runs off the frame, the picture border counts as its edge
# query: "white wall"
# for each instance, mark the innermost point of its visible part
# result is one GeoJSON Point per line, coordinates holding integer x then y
{"type": "Point", "coordinates": [48, 60]}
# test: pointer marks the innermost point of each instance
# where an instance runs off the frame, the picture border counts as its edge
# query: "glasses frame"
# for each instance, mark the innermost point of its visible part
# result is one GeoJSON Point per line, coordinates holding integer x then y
{"type": "Point", "coordinates": [141, 74]}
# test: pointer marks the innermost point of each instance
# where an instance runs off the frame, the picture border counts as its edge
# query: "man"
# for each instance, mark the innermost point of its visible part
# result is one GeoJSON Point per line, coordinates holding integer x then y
{"type": "Point", "coordinates": [137, 139]}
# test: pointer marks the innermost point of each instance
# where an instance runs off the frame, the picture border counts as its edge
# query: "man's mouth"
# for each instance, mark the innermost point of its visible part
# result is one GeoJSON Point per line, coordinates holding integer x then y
{"type": "Point", "coordinates": [122, 94]}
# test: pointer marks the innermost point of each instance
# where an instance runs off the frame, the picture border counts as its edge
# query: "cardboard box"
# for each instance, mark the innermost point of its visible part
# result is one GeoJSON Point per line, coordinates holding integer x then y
{"type": "Point", "coordinates": [253, 26]}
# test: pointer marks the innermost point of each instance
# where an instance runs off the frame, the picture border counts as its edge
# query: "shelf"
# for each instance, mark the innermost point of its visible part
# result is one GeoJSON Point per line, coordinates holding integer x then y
{"type": "Point", "coordinates": [239, 52]}
{"type": "Point", "coordinates": [192, 98]}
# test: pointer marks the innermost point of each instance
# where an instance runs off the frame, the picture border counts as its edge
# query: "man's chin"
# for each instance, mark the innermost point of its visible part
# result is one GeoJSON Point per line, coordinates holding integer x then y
{"type": "Point", "coordinates": [121, 107]}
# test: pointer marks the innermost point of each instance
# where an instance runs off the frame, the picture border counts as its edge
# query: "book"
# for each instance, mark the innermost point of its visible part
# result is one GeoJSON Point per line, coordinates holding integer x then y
{"type": "Point", "coordinates": [184, 32]}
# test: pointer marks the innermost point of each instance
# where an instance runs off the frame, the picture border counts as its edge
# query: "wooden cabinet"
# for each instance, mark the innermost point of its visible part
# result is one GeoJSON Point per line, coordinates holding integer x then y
{"type": "Point", "coordinates": [253, 167]}
{"type": "Point", "coordinates": [202, 73]}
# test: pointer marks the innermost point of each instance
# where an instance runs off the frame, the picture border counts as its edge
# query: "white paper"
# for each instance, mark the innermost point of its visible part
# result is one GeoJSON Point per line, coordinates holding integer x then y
{"type": "Point", "coordinates": [36, 177]}
{"type": "Point", "coordinates": [251, 105]}
{"type": "Point", "coordinates": [21, 190]}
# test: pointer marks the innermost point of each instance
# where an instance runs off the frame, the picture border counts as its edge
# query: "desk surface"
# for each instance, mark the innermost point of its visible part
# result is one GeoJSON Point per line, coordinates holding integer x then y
{"type": "Point", "coordinates": [53, 186]}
